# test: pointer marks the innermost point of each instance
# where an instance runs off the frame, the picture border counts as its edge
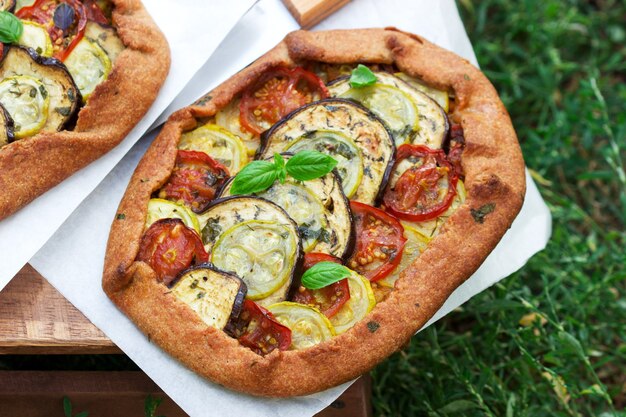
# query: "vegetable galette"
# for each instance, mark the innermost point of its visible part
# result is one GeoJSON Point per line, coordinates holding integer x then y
{"type": "Point", "coordinates": [298, 224]}
{"type": "Point", "coordinates": [75, 78]}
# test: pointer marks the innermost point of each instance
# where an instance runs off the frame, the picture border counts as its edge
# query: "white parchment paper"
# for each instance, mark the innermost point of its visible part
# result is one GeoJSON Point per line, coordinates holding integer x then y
{"type": "Point", "coordinates": [191, 42]}
{"type": "Point", "coordinates": [73, 259]}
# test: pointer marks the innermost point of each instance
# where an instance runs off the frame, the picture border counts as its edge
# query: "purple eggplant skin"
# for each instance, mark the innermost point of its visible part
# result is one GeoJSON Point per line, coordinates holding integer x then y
{"type": "Point", "coordinates": [7, 5]}
{"type": "Point", "coordinates": [264, 139]}
{"type": "Point", "coordinates": [40, 64]}
{"type": "Point", "coordinates": [238, 199]}
{"type": "Point", "coordinates": [7, 126]}
{"type": "Point", "coordinates": [239, 298]}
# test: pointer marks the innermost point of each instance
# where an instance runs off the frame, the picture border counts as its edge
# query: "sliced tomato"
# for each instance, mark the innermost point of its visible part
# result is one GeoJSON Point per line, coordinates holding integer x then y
{"type": "Point", "coordinates": [278, 92]}
{"type": "Point", "coordinates": [426, 189]}
{"type": "Point", "coordinates": [63, 39]}
{"type": "Point", "coordinates": [194, 180]}
{"type": "Point", "coordinates": [94, 12]}
{"type": "Point", "coordinates": [170, 247]}
{"type": "Point", "coordinates": [260, 331]}
{"type": "Point", "coordinates": [328, 300]}
{"type": "Point", "coordinates": [379, 242]}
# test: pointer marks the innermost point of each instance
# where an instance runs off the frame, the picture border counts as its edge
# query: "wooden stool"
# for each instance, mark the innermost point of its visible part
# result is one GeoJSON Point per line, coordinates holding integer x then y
{"type": "Point", "coordinates": [36, 319]}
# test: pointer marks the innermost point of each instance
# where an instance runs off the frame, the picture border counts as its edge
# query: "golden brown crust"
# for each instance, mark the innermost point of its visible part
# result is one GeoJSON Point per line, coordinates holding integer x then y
{"type": "Point", "coordinates": [31, 166]}
{"type": "Point", "coordinates": [494, 171]}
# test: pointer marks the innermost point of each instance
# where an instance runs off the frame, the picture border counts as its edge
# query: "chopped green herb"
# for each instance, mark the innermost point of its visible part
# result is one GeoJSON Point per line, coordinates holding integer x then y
{"type": "Point", "coordinates": [479, 215]}
{"type": "Point", "coordinates": [120, 216]}
{"type": "Point", "coordinates": [372, 326]}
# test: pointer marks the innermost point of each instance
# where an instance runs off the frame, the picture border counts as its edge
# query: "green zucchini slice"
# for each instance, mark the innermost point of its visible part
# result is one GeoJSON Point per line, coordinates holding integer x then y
{"type": "Point", "coordinates": [255, 239]}
{"type": "Point", "coordinates": [308, 325]}
{"type": "Point", "coordinates": [27, 101]}
{"type": "Point", "coordinates": [345, 130]}
{"type": "Point", "coordinates": [36, 36]}
{"type": "Point", "coordinates": [216, 296]}
{"type": "Point", "coordinates": [320, 209]}
{"type": "Point", "coordinates": [89, 65]}
{"type": "Point", "coordinates": [6, 127]}
{"type": "Point", "coordinates": [60, 89]}
{"type": "Point", "coordinates": [388, 99]}
{"type": "Point", "coordinates": [361, 302]}
{"type": "Point", "coordinates": [389, 103]}
{"type": "Point", "coordinates": [228, 118]}
{"type": "Point", "coordinates": [218, 143]}
{"type": "Point", "coordinates": [159, 208]}
{"type": "Point", "coordinates": [340, 147]}
{"type": "Point", "coordinates": [106, 37]}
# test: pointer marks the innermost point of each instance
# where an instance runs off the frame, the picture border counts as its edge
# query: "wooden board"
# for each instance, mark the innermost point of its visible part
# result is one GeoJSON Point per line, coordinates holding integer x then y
{"type": "Point", "coordinates": [36, 319]}
{"type": "Point", "coordinates": [40, 394]}
{"type": "Point", "coordinates": [308, 13]}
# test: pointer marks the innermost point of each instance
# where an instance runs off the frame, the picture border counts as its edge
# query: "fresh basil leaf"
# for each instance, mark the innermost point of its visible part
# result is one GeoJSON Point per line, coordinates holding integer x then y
{"type": "Point", "coordinates": [63, 16]}
{"type": "Point", "coordinates": [308, 165]}
{"type": "Point", "coordinates": [279, 162]}
{"type": "Point", "coordinates": [254, 177]}
{"type": "Point", "coordinates": [323, 274]}
{"type": "Point", "coordinates": [11, 27]}
{"type": "Point", "coordinates": [362, 77]}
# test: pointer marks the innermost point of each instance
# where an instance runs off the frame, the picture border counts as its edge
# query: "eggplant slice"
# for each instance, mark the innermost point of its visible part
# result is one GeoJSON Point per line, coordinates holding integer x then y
{"type": "Point", "coordinates": [388, 100]}
{"type": "Point", "coordinates": [57, 86]}
{"type": "Point", "coordinates": [319, 207]}
{"type": "Point", "coordinates": [216, 296]}
{"type": "Point", "coordinates": [256, 240]}
{"type": "Point", "coordinates": [6, 127]}
{"type": "Point", "coordinates": [348, 132]}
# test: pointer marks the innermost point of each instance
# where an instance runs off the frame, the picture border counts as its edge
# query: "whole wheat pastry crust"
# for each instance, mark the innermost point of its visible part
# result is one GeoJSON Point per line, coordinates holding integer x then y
{"type": "Point", "coordinates": [31, 166]}
{"type": "Point", "coordinates": [494, 175]}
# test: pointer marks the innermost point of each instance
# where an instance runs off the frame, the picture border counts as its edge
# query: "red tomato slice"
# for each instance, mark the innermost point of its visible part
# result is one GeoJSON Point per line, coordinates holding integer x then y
{"type": "Point", "coordinates": [328, 300]}
{"type": "Point", "coordinates": [426, 189]}
{"type": "Point", "coordinates": [63, 41]}
{"type": "Point", "coordinates": [170, 247]}
{"type": "Point", "coordinates": [379, 242]}
{"type": "Point", "coordinates": [262, 332]}
{"type": "Point", "coordinates": [194, 180]}
{"type": "Point", "coordinates": [278, 92]}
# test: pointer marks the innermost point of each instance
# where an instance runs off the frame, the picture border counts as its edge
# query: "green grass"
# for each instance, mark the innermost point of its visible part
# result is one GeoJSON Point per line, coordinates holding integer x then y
{"type": "Point", "coordinates": [560, 68]}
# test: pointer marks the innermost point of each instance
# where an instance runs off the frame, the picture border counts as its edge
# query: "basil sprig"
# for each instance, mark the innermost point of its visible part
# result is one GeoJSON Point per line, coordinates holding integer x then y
{"type": "Point", "coordinates": [362, 77]}
{"type": "Point", "coordinates": [322, 274]}
{"type": "Point", "coordinates": [258, 176]}
{"type": "Point", "coordinates": [11, 27]}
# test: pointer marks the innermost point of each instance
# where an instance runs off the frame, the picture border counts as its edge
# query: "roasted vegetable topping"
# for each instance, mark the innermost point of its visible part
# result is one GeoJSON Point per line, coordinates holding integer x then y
{"type": "Point", "coordinates": [308, 326]}
{"type": "Point", "coordinates": [216, 296]}
{"type": "Point", "coordinates": [379, 242]}
{"type": "Point", "coordinates": [218, 143]}
{"type": "Point", "coordinates": [348, 132]}
{"type": "Point", "coordinates": [195, 180]}
{"type": "Point", "coordinates": [328, 299]}
{"type": "Point", "coordinates": [422, 185]}
{"type": "Point", "coordinates": [170, 247]}
{"type": "Point", "coordinates": [260, 331]}
{"type": "Point", "coordinates": [26, 99]}
{"type": "Point", "coordinates": [89, 66]}
{"type": "Point", "coordinates": [277, 93]}
{"type": "Point", "coordinates": [361, 302]}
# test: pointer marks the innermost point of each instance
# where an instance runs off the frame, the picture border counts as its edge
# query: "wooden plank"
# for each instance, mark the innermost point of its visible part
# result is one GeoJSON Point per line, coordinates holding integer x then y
{"type": "Point", "coordinates": [35, 318]}
{"type": "Point", "coordinates": [40, 394]}
{"type": "Point", "coordinates": [308, 13]}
